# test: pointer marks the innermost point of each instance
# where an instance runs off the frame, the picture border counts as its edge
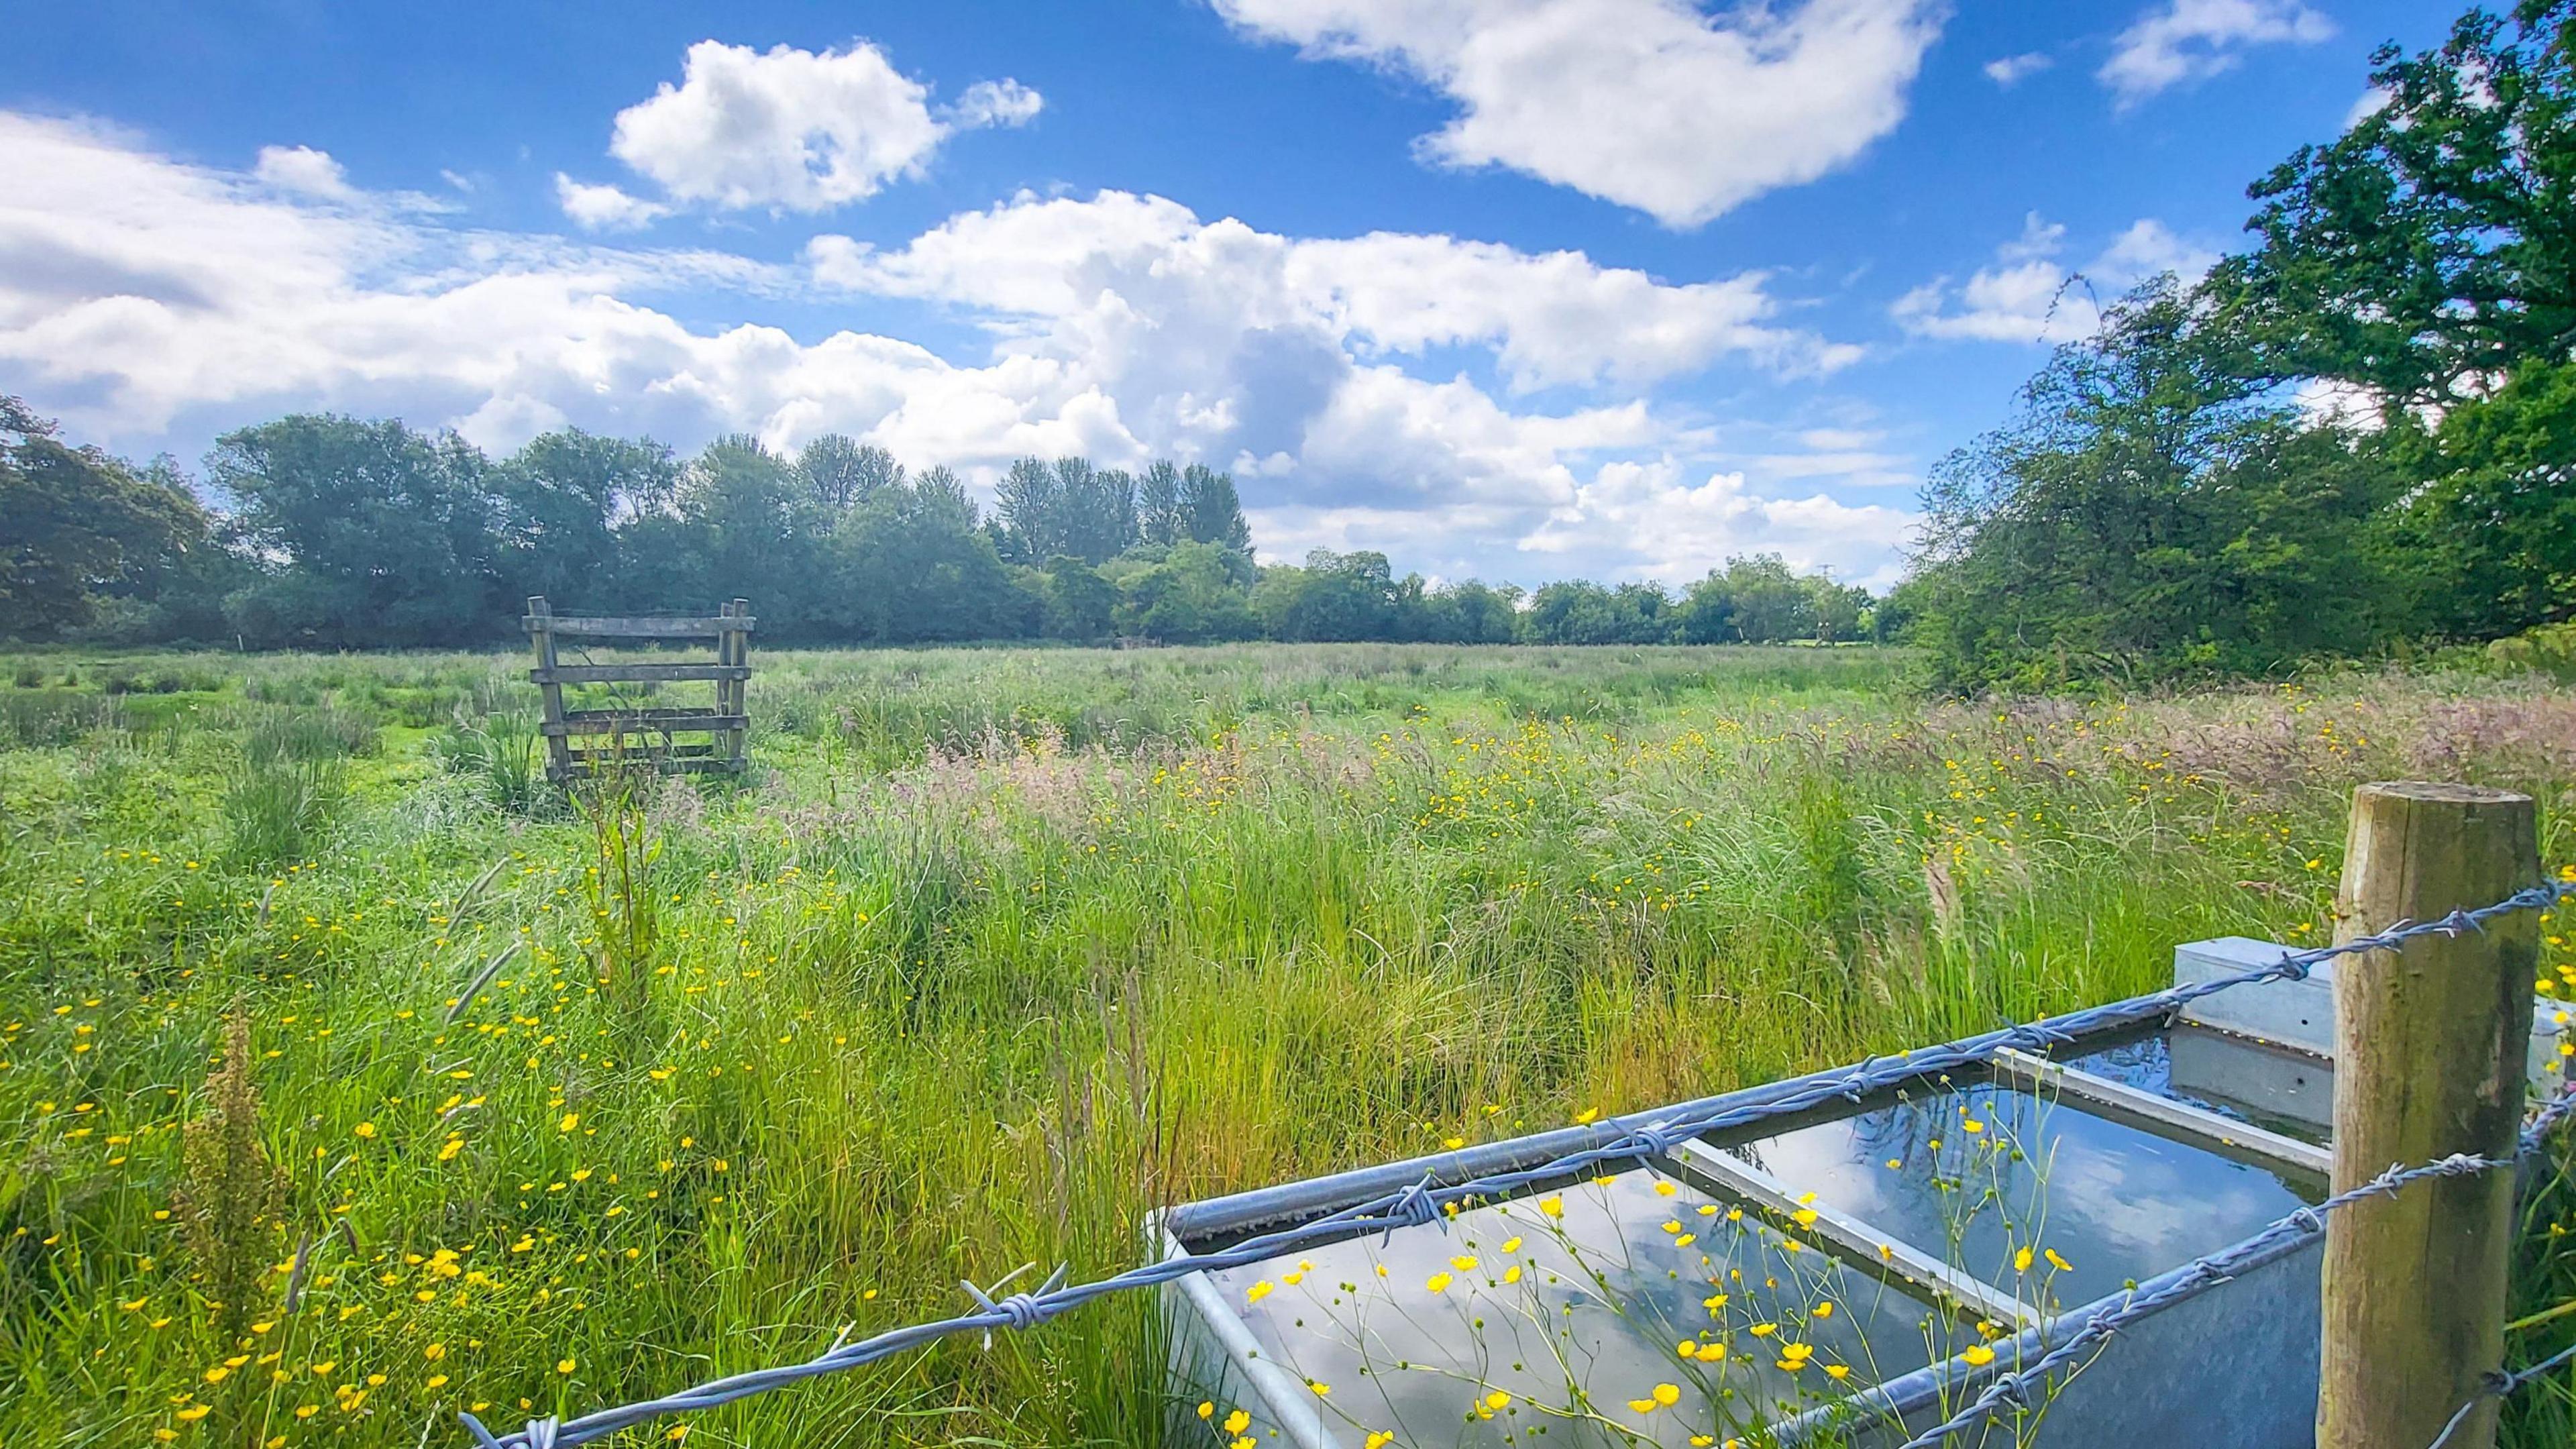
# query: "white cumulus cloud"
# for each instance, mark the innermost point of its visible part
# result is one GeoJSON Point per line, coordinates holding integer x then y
{"type": "Point", "coordinates": [996, 103]}
{"type": "Point", "coordinates": [1652, 104]}
{"type": "Point", "coordinates": [305, 170]}
{"type": "Point", "coordinates": [2010, 70]}
{"type": "Point", "coordinates": [797, 130]}
{"type": "Point", "coordinates": [1556, 318]}
{"type": "Point", "coordinates": [2189, 40]}
{"type": "Point", "coordinates": [1671, 529]}
{"type": "Point", "coordinates": [2029, 295]}
{"type": "Point", "coordinates": [605, 208]}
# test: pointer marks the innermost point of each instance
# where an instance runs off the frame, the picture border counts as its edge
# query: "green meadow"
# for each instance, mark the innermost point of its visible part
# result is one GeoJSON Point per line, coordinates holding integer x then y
{"type": "Point", "coordinates": [560, 1102]}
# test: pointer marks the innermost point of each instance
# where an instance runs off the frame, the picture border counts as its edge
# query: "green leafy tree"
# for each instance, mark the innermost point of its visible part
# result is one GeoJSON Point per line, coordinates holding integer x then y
{"type": "Point", "coordinates": [2424, 261]}
{"type": "Point", "coordinates": [1769, 603]}
{"type": "Point", "coordinates": [755, 527]}
{"type": "Point", "coordinates": [1160, 518]}
{"type": "Point", "coordinates": [1210, 510]}
{"type": "Point", "coordinates": [1707, 611]}
{"type": "Point", "coordinates": [1079, 604]}
{"type": "Point", "coordinates": [2150, 513]}
{"type": "Point", "coordinates": [1068, 508]}
{"type": "Point", "coordinates": [910, 565]}
{"type": "Point", "coordinates": [557, 502]}
{"type": "Point", "coordinates": [1193, 595]}
{"type": "Point", "coordinates": [1578, 611]}
{"type": "Point", "coordinates": [76, 526]}
{"type": "Point", "coordinates": [370, 533]}
{"type": "Point", "coordinates": [841, 471]}
{"type": "Point", "coordinates": [1099, 509]}
{"type": "Point", "coordinates": [2499, 506]}
{"type": "Point", "coordinates": [1470, 612]}
{"type": "Point", "coordinates": [1835, 609]}
{"type": "Point", "coordinates": [2425, 253]}
{"type": "Point", "coordinates": [1336, 596]}
{"type": "Point", "coordinates": [1030, 512]}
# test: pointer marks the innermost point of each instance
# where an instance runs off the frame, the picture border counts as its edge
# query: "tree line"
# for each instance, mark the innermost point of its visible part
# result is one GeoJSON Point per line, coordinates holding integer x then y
{"type": "Point", "coordinates": [2355, 436]}
{"type": "Point", "coordinates": [320, 531]}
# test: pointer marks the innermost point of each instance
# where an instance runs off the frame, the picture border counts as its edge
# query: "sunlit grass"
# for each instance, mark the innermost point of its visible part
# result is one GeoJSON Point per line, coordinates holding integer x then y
{"type": "Point", "coordinates": [997, 950]}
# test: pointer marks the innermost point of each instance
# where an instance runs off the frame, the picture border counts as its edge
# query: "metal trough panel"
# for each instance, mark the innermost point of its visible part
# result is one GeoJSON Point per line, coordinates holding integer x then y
{"type": "Point", "coordinates": [1701, 1163]}
{"type": "Point", "coordinates": [2247, 1348]}
{"type": "Point", "coordinates": [1214, 1359]}
{"type": "Point", "coordinates": [2301, 1015]}
{"type": "Point", "coordinates": [2123, 1103]}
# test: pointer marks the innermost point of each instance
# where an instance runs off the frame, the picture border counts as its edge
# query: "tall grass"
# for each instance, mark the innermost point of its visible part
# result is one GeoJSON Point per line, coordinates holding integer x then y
{"type": "Point", "coordinates": [998, 950]}
{"type": "Point", "coordinates": [502, 754]}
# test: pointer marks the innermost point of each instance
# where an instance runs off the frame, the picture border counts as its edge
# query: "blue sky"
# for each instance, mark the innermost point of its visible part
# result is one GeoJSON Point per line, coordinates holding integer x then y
{"type": "Point", "coordinates": [1516, 289]}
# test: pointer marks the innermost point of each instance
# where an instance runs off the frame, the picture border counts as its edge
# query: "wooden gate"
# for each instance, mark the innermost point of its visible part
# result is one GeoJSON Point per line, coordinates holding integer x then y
{"type": "Point", "coordinates": [627, 733]}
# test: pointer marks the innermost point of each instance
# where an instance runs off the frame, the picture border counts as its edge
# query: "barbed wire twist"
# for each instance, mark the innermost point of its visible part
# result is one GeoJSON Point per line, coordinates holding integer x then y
{"type": "Point", "coordinates": [1638, 1138]}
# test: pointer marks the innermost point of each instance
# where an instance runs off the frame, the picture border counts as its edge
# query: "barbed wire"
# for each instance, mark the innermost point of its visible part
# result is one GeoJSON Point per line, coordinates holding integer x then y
{"type": "Point", "coordinates": [1631, 1138]}
{"type": "Point", "coordinates": [2502, 1385]}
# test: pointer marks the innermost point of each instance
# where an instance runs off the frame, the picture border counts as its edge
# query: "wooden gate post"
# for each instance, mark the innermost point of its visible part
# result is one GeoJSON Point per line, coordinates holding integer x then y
{"type": "Point", "coordinates": [541, 635]}
{"type": "Point", "coordinates": [2430, 1044]}
{"type": "Point", "coordinates": [735, 649]}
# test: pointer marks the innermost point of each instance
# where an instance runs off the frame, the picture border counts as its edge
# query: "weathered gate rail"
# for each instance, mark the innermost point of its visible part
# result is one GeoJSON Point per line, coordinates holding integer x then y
{"type": "Point", "coordinates": [607, 733]}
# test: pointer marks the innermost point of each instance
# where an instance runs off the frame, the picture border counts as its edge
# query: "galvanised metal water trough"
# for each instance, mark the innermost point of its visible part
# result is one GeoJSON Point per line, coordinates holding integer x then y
{"type": "Point", "coordinates": [1846, 1276]}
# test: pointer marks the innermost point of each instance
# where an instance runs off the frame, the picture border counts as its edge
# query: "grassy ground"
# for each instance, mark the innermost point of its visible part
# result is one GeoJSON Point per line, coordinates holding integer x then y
{"type": "Point", "coordinates": [994, 951]}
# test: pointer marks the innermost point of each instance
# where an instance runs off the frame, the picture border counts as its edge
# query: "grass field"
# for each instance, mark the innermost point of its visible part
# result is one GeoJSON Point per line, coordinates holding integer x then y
{"type": "Point", "coordinates": [994, 951]}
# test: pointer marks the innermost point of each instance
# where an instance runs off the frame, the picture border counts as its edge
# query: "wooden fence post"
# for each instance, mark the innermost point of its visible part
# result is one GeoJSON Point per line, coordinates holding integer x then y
{"type": "Point", "coordinates": [2430, 1044]}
